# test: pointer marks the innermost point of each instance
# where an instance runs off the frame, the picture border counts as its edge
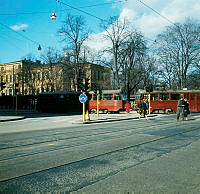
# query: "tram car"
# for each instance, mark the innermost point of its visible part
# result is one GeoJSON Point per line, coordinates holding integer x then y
{"type": "Point", "coordinates": [166, 101]}
{"type": "Point", "coordinates": [58, 102]}
{"type": "Point", "coordinates": [107, 101]}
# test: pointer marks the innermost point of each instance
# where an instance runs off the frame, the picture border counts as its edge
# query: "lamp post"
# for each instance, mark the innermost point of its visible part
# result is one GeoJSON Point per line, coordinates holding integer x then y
{"type": "Point", "coordinates": [53, 16]}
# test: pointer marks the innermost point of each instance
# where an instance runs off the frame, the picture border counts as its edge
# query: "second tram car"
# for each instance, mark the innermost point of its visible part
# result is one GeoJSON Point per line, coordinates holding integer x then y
{"type": "Point", "coordinates": [166, 101]}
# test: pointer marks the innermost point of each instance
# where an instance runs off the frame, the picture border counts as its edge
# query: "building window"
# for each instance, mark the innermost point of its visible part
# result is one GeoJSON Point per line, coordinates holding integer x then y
{"type": "Point", "coordinates": [47, 75]}
{"type": "Point", "coordinates": [6, 78]}
{"type": "Point", "coordinates": [38, 91]}
{"type": "Point", "coordinates": [34, 76]}
{"type": "Point", "coordinates": [42, 75]}
{"type": "Point", "coordinates": [96, 75]}
{"type": "Point", "coordinates": [10, 78]}
{"type": "Point", "coordinates": [38, 75]}
{"type": "Point", "coordinates": [14, 78]}
{"type": "Point", "coordinates": [99, 75]}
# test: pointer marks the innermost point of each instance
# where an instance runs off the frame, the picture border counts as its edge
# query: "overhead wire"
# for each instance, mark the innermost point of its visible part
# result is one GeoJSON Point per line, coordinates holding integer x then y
{"type": "Point", "coordinates": [157, 12]}
{"type": "Point", "coordinates": [45, 12]}
{"type": "Point", "coordinates": [25, 37]}
{"type": "Point", "coordinates": [80, 10]}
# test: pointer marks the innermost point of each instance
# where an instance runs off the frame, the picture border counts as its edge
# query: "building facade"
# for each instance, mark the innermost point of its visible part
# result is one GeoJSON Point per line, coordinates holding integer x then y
{"type": "Point", "coordinates": [32, 78]}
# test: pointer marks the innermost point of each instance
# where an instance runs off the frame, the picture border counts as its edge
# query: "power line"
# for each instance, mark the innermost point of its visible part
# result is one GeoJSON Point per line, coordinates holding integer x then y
{"type": "Point", "coordinates": [45, 12]}
{"type": "Point", "coordinates": [157, 12]}
{"type": "Point", "coordinates": [82, 11]}
{"type": "Point", "coordinates": [25, 37]}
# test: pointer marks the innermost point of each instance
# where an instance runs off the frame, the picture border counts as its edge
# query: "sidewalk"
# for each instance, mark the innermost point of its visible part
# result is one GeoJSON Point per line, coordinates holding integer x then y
{"type": "Point", "coordinates": [93, 118]}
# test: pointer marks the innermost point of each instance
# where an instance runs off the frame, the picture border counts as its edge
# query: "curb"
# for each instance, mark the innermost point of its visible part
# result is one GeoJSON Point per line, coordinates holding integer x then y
{"type": "Point", "coordinates": [12, 119]}
{"type": "Point", "coordinates": [111, 120]}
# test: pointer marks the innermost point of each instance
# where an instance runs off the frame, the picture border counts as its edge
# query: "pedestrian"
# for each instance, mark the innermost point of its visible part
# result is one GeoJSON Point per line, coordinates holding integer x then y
{"type": "Point", "coordinates": [142, 109]}
{"type": "Point", "coordinates": [145, 107]}
{"type": "Point", "coordinates": [132, 105]}
{"type": "Point", "coordinates": [180, 107]}
{"type": "Point", "coordinates": [186, 110]}
{"type": "Point", "coordinates": [127, 107]}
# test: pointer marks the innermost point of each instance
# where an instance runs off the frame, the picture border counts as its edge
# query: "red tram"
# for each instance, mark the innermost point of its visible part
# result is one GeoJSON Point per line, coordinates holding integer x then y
{"type": "Point", "coordinates": [166, 101]}
{"type": "Point", "coordinates": [106, 101]}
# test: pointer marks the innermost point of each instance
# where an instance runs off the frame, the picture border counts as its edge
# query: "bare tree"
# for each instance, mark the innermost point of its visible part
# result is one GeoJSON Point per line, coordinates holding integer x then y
{"type": "Point", "coordinates": [177, 51]}
{"type": "Point", "coordinates": [132, 60]}
{"type": "Point", "coordinates": [74, 33]}
{"type": "Point", "coordinates": [51, 70]}
{"type": "Point", "coordinates": [26, 76]}
{"type": "Point", "coordinates": [116, 33]}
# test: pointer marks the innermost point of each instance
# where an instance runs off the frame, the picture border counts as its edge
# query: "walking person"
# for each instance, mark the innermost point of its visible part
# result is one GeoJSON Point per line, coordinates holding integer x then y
{"type": "Point", "coordinates": [186, 110]}
{"type": "Point", "coordinates": [142, 109]}
{"type": "Point", "coordinates": [140, 105]}
{"type": "Point", "coordinates": [145, 107]}
{"type": "Point", "coordinates": [180, 107]}
{"type": "Point", "coordinates": [127, 107]}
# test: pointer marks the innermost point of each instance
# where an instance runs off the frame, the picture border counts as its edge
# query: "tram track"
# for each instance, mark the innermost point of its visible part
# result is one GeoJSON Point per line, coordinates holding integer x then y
{"type": "Point", "coordinates": [196, 128]}
{"type": "Point", "coordinates": [105, 131]}
{"type": "Point", "coordinates": [74, 144]}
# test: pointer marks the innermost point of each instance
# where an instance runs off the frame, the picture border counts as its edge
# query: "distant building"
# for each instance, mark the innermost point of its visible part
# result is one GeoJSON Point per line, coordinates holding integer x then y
{"type": "Point", "coordinates": [35, 77]}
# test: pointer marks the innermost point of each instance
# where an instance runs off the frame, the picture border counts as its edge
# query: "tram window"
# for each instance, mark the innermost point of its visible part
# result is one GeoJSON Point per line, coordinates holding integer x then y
{"type": "Point", "coordinates": [186, 96]}
{"type": "Point", "coordinates": [117, 97]}
{"type": "Point", "coordinates": [138, 96]}
{"type": "Point", "coordinates": [192, 96]}
{"type": "Point", "coordinates": [95, 97]}
{"type": "Point", "coordinates": [89, 96]}
{"type": "Point", "coordinates": [175, 96]}
{"type": "Point", "coordinates": [107, 97]}
{"type": "Point", "coordinates": [154, 96]}
{"type": "Point", "coordinates": [164, 96]}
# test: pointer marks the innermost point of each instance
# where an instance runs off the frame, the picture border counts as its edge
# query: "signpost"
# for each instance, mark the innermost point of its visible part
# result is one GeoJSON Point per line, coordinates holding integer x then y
{"type": "Point", "coordinates": [83, 99]}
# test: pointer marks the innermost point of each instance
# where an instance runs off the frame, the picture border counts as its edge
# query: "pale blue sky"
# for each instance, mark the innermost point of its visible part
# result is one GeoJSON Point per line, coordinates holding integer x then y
{"type": "Point", "coordinates": [31, 18]}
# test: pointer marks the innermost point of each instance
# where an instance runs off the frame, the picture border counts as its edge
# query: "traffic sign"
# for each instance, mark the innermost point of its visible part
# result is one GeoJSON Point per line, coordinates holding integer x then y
{"type": "Point", "coordinates": [83, 98]}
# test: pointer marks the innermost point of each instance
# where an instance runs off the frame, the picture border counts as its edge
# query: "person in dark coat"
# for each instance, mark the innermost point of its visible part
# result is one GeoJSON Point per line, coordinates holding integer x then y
{"type": "Point", "coordinates": [180, 107]}
{"type": "Point", "coordinates": [186, 110]}
{"type": "Point", "coordinates": [142, 109]}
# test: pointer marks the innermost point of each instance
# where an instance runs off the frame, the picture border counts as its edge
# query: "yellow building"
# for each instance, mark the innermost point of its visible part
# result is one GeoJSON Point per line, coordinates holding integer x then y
{"type": "Point", "coordinates": [35, 77]}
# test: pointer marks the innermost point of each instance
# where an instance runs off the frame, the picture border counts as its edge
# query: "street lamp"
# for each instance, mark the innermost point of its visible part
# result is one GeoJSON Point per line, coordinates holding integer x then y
{"type": "Point", "coordinates": [53, 16]}
{"type": "Point", "coordinates": [39, 48]}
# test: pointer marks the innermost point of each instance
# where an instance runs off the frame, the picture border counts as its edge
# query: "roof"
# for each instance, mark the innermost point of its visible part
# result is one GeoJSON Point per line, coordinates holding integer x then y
{"type": "Point", "coordinates": [174, 91]}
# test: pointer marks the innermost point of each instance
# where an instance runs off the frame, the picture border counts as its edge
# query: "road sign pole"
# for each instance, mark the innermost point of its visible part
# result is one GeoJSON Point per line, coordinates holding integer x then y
{"type": "Point", "coordinates": [97, 105]}
{"type": "Point", "coordinates": [149, 99]}
{"type": "Point", "coordinates": [83, 99]}
{"type": "Point", "coordinates": [83, 112]}
{"type": "Point", "coordinates": [16, 104]}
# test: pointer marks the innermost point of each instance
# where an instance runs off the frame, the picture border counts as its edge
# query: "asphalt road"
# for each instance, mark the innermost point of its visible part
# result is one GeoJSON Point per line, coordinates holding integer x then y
{"type": "Point", "coordinates": [155, 156]}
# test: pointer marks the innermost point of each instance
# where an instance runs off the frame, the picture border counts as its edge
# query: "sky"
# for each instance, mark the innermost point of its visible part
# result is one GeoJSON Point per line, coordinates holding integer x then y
{"type": "Point", "coordinates": [26, 24]}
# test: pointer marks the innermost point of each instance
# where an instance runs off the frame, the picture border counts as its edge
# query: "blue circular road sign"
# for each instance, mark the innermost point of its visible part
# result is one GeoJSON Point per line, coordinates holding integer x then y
{"type": "Point", "coordinates": [83, 98]}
